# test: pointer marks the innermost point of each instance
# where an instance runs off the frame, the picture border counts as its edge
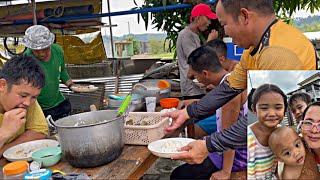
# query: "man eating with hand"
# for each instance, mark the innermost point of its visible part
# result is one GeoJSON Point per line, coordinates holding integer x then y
{"type": "Point", "coordinates": [21, 118]}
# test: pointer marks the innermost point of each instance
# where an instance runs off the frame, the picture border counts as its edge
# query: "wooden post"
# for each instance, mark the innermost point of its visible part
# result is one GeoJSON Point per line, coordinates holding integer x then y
{"type": "Point", "coordinates": [34, 12]}
{"type": "Point", "coordinates": [116, 84]}
{"type": "Point", "coordinates": [120, 48]}
{"type": "Point", "coordinates": [110, 29]}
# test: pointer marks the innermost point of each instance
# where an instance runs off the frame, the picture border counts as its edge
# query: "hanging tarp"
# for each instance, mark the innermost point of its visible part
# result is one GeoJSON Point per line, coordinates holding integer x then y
{"type": "Point", "coordinates": [84, 48]}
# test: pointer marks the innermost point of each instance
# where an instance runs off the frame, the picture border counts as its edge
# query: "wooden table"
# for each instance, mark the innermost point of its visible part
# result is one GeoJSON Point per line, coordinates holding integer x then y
{"type": "Point", "coordinates": [132, 164]}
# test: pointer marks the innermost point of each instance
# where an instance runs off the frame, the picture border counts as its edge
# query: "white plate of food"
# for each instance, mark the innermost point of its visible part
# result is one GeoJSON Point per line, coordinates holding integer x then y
{"type": "Point", "coordinates": [83, 88]}
{"type": "Point", "coordinates": [22, 152]}
{"type": "Point", "coordinates": [168, 147]}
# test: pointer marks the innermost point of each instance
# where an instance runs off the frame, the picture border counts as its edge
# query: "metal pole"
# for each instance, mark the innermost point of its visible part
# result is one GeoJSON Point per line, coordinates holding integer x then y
{"type": "Point", "coordinates": [116, 83]}
{"type": "Point", "coordinates": [110, 29]}
{"type": "Point", "coordinates": [34, 12]}
{"type": "Point", "coordinates": [119, 13]}
{"type": "Point", "coordinates": [115, 63]}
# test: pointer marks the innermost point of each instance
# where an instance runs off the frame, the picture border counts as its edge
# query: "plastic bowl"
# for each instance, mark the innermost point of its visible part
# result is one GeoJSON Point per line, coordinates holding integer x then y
{"type": "Point", "coordinates": [47, 156]}
{"type": "Point", "coordinates": [163, 84]}
{"type": "Point", "coordinates": [168, 103]}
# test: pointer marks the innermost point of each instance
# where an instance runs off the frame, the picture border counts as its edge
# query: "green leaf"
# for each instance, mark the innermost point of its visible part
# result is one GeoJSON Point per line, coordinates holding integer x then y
{"type": "Point", "coordinates": [145, 17]}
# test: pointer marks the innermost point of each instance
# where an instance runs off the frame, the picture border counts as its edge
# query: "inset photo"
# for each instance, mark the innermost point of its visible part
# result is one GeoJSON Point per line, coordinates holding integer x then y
{"type": "Point", "coordinates": [283, 124]}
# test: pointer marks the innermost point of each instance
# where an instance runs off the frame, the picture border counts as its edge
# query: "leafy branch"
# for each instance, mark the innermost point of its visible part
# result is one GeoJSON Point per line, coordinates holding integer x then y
{"type": "Point", "coordinates": [172, 22]}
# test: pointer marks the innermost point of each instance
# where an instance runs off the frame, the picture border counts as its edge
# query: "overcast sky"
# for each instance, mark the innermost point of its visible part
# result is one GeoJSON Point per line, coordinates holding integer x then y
{"type": "Point", "coordinates": [286, 80]}
{"type": "Point", "coordinates": [122, 21]}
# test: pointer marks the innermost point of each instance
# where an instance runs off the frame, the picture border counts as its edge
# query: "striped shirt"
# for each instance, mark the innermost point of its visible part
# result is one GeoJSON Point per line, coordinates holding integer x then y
{"type": "Point", "coordinates": [261, 160]}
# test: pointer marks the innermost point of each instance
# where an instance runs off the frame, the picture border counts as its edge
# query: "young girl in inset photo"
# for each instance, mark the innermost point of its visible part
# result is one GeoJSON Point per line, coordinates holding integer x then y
{"type": "Point", "coordinates": [269, 103]}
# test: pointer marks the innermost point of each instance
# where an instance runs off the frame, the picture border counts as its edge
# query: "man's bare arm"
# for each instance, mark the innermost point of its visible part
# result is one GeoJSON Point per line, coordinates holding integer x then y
{"type": "Point", "coordinates": [29, 135]}
{"type": "Point", "coordinates": [3, 137]}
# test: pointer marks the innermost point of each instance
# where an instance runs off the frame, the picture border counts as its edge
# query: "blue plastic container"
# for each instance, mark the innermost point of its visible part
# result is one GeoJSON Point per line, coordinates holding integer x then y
{"type": "Point", "coordinates": [233, 51]}
{"type": "Point", "coordinates": [41, 174]}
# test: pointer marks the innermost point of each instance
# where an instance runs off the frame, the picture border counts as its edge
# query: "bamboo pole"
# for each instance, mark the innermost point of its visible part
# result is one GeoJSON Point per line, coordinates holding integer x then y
{"type": "Point", "coordinates": [34, 12]}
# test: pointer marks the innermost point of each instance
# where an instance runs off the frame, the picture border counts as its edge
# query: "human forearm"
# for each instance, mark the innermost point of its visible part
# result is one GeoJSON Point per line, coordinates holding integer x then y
{"type": "Point", "coordinates": [69, 83]}
{"type": "Point", "coordinates": [64, 76]}
{"type": "Point", "coordinates": [231, 138]}
{"type": "Point", "coordinates": [212, 101]}
{"type": "Point", "coordinates": [228, 157]}
{"type": "Point", "coordinates": [29, 135]}
{"type": "Point", "coordinates": [213, 35]}
{"type": "Point", "coordinates": [3, 137]}
{"type": "Point", "coordinates": [230, 112]}
{"type": "Point", "coordinates": [229, 116]}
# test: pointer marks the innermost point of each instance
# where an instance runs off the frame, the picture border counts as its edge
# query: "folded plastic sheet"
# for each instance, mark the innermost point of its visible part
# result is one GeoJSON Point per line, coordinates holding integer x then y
{"type": "Point", "coordinates": [85, 48]}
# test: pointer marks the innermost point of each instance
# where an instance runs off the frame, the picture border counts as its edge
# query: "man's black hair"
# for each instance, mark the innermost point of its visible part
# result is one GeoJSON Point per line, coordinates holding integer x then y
{"type": "Point", "coordinates": [218, 46]}
{"type": "Point", "coordinates": [23, 69]}
{"type": "Point", "coordinates": [233, 7]}
{"type": "Point", "coordinates": [204, 58]}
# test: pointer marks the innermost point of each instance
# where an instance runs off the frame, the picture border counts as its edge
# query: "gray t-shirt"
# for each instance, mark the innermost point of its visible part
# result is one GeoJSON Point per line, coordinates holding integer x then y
{"type": "Point", "coordinates": [186, 43]}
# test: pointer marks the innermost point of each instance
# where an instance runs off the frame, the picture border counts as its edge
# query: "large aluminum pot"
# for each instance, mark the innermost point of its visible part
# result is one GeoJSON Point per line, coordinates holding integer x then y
{"type": "Point", "coordinates": [91, 139]}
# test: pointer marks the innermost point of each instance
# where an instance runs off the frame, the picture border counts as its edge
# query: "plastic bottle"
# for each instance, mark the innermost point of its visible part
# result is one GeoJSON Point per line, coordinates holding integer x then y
{"type": "Point", "coordinates": [41, 174]}
{"type": "Point", "coordinates": [15, 170]}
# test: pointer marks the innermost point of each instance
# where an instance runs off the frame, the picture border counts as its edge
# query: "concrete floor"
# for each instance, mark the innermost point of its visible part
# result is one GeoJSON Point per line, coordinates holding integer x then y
{"type": "Point", "coordinates": [161, 169]}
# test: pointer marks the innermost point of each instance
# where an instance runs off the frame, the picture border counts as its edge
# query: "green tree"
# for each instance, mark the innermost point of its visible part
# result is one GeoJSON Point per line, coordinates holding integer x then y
{"type": "Point", "coordinates": [174, 21]}
{"type": "Point", "coordinates": [309, 24]}
{"type": "Point", "coordinates": [136, 47]}
{"type": "Point", "coordinates": [156, 46]}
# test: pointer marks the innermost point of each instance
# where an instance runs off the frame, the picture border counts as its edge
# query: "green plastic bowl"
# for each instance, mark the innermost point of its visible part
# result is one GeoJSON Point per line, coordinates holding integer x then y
{"type": "Point", "coordinates": [47, 156]}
